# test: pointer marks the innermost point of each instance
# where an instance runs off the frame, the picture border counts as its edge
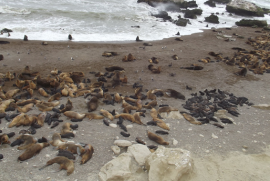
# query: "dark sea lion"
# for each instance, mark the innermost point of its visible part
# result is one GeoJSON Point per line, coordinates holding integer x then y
{"type": "Point", "coordinates": [162, 132]}
{"type": "Point", "coordinates": [175, 94]}
{"type": "Point", "coordinates": [125, 134]}
{"type": "Point", "coordinates": [138, 39]}
{"type": "Point", "coordinates": [69, 37]}
{"type": "Point", "coordinates": [113, 68]}
{"type": "Point", "coordinates": [139, 140]}
{"type": "Point", "coordinates": [156, 138]}
{"type": "Point", "coordinates": [25, 38]}
{"type": "Point", "coordinates": [64, 163]}
{"type": "Point", "coordinates": [28, 141]}
{"type": "Point", "coordinates": [66, 154]}
{"type": "Point", "coordinates": [68, 106]}
{"type": "Point", "coordinates": [72, 148]}
{"type": "Point", "coordinates": [242, 72]}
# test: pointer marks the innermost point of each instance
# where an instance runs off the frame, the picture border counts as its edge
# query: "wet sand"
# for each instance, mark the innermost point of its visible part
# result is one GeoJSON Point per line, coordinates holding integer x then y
{"type": "Point", "coordinates": [251, 128]}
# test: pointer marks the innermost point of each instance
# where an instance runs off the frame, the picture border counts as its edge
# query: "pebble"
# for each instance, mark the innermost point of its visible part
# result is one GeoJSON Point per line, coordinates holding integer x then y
{"type": "Point", "coordinates": [175, 142]}
{"type": "Point", "coordinates": [129, 126]}
{"type": "Point", "coordinates": [115, 149]}
{"type": "Point", "coordinates": [245, 147]}
{"type": "Point", "coordinates": [113, 125]}
{"type": "Point", "coordinates": [122, 143]}
{"type": "Point", "coordinates": [201, 135]}
{"type": "Point", "coordinates": [214, 136]}
{"type": "Point", "coordinates": [47, 155]}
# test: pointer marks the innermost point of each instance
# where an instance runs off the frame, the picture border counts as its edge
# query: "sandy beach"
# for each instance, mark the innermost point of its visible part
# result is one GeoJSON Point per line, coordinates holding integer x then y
{"type": "Point", "coordinates": [241, 151]}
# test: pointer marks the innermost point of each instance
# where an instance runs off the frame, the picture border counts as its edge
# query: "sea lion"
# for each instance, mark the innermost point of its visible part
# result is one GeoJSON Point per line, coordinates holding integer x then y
{"type": "Point", "coordinates": [126, 116]}
{"type": "Point", "coordinates": [20, 119]}
{"type": "Point", "coordinates": [193, 67]}
{"type": "Point", "coordinates": [117, 98]}
{"type": "Point", "coordinates": [2, 95]}
{"type": "Point", "coordinates": [5, 104]}
{"type": "Point", "coordinates": [106, 114]}
{"type": "Point", "coordinates": [43, 107]}
{"type": "Point", "coordinates": [55, 71]}
{"type": "Point", "coordinates": [56, 96]}
{"type": "Point", "coordinates": [57, 140]}
{"type": "Point", "coordinates": [130, 57]}
{"type": "Point", "coordinates": [25, 108]}
{"type": "Point", "coordinates": [153, 60]}
{"type": "Point", "coordinates": [156, 138]}
{"type": "Point", "coordinates": [28, 141]}
{"type": "Point", "coordinates": [66, 154]}
{"type": "Point", "coordinates": [191, 119]}
{"type": "Point", "coordinates": [175, 57]}
{"type": "Point", "coordinates": [64, 91]}
{"type": "Point", "coordinates": [20, 83]}
{"type": "Point", "coordinates": [113, 68]}
{"type": "Point", "coordinates": [153, 113]}
{"type": "Point", "coordinates": [67, 128]}
{"type": "Point", "coordinates": [91, 116]}
{"type": "Point", "coordinates": [138, 39]}
{"type": "Point", "coordinates": [41, 119]}
{"type": "Point", "coordinates": [175, 94]}
{"type": "Point", "coordinates": [64, 163]}
{"type": "Point", "coordinates": [69, 37]}
{"type": "Point", "coordinates": [72, 148]}
{"type": "Point", "coordinates": [25, 38]}
{"type": "Point", "coordinates": [161, 123]}
{"type": "Point", "coordinates": [43, 82]}
{"type": "Point", "coordinates": [151, 104]}
{"type": "Point", "coordinates": [137, 117]}
{"type": "Point", "coordinates": [155, 70]}
{"type": "Point", "coordinates": [139, 140]}
{"type": "Point", "coordinates": [68, 106]}
{"type": "Point", "coordinates": [11, 93]}
{"type": "Point", "coordinates": [242, 72]}
{"type": "Point", "coordinates": [32, 151]}
{"type": "Point", "coordinates": [92, 104]}
{"type": "Point", "coordinates": [4, 139]}
{"type": "Point", "coordinates": [166, 109]}
{"type": "Point", "coordinates": [87, 155]}
{"type": "Point", "coordinates": [72, 114]}
{"type": "Point", "coordinates": [25, 102]}
{"type": "Point", "coordinates": [150, 95]}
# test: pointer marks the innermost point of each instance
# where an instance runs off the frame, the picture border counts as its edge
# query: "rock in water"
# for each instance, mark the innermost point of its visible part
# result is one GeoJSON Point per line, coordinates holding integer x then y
{"type": "Point", "coordinates": [169, 164]}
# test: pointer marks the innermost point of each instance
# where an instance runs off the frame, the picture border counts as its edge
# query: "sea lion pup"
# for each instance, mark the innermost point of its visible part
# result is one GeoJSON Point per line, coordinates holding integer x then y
{"type": "Point", "coordinates": [64, 163]}
{"type": "Point", "coordinates": [66, 154]}
{"type": "Point", "coordinates": [151, 104]}
{"type": "Point", "coordinates": [92, 104]}
{"type": "Point", "coordinates": [72, 114]}
{"type": "Point", "coordinates": [68, 106]}
{"type": "Point", "coordinates": [117, 98]}
{"type": "Point", "coordinates": [56, 96]}
{"type": "Point", "coordinates": [137, 117]}
{"type": "Point", "coordinates": [11, 93]}
{"type": "Point", "coordinates": [72, 148]}
{"type": "Point", "coordinates": [190, 119]}
{"type": "Point", "coordinates": [25, 108]}
{"type": "Point", "coordinates": [32, 151]}
{"type": "Point", "coordinates": [138, 39]}
{"type": "Point", "coordinates": [69, 37]}
{"type": "Point", "coordinates": [166, 109]}
{"type": "Point", "coordinates": [5, 104]}
{"type": "Point", "coordinates": [43, 82]}
{"type": "Point", "coordinates": [175, 94]}
{"type": "Point", "coordinates": [175, 57]}
{"type": "Point", "coordinates": [87, 155]}
{"type": "Point", "coordinates": [150, 95]}
{"type": "Point", "coordinates": [156, 138]}
{"type": "Point", "coordinates": [91, 116]}
{"type": "Point", "coordinates": [113, 68]}
{"type": "Point", "coordinates": [106, 114]}
{"type": "Point", "coordinates": [42, 92]}
{"type": "Point", "coordinates": [57, 140]}
{"type": "Point", "coordinates": [126, 116]}
{"type": "Point", "coordinates": [242, 72]}
{"type": "Point", "coordinates": [28, 141]}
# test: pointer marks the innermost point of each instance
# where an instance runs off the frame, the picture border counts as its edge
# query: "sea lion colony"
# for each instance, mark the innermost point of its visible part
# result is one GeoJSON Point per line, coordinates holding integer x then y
{"type": "Point", "coordinates": [15, 103]}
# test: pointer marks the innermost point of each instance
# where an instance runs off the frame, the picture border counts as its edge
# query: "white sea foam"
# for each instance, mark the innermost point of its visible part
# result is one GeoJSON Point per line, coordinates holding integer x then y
{"type": "Point", "coordinates": [102, 20]}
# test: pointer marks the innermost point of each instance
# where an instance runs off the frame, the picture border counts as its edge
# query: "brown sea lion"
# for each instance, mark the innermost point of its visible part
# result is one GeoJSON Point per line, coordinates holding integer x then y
{"type": "Point", "coordinates": [130, 57]}
{"type": "Point", "coordinates": [18, 120]}
{"type": "Point", "coordinates": [64, 91]}
{"type": "Point", "coordinates": [106, 114]}
{"type": "Point", "coordinates": [56, 96]}
{"type": "Point", "coordinates": [71, 147]}
{"type": "Point", "coordinates": [57, 140]}
{"type": "Point", "coordinates": [91, 116]}
{"type": "Point", "coordinates": [20, 83]}
{"type": "Point", "coordinates": [87, 155]}
{"type": "Point", "coordinates": [4, 139]}
{"type": "Point", "coordinates": [25, 108]}
{"type": "Point", "coordinates": [126, 116]}
{"type": "Point", "coordinates": [41, 118]}
{"type": "Point", "coordinates": [28, 141]}
{"type": "Point", "coordinates": [43, 107]}
{"type": "Point", "coordinates": [32, 151]}
{"type": "Point", "coordinates": [5, 104]}
{"type": "Point", "coordinates": [166, 109]}
{"type": "Point", "coordinates": [151, 104]}
{"type": "Point", "coordinates": [92, 104]}
{"type": "Point", "coordinates": [25, 102]}
{"type": "Point", "coordinates": [242, 72]}
{"type": "Point", "coordinates": [68, 106]}
{"type": "Point", "coordinates": [173, 93]}
{"type": "Point", "coordinates": [64, 163]}
{"type": "Point", "coordinates": [191, 119]}
{"type": "Point", "coordinates": [113, 68]}
{"type": "Point", "coordinates": [175, 57]}
{"type": "Point", "coordinates": [117, 98]}
{"type": "Point", "coordinates": [150, 95]}
{"type": "Point", "coordinates": [161, 123]}
{"type": "Point", "coordinates": [72, 114]}
{"type": "Point", "coordinates": [11, 93]}
{"type": "Point", "coordinates": [153, 113]}
{"type": "Point", "coordinates": [156, 138]}
{"type": "Point", "coordinates": [137, 117]}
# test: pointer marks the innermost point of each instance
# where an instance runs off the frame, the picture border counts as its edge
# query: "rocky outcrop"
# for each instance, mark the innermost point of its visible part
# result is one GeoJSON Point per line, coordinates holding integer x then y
{"type": "Point", "coordinates": [192, 14]}
{"type": "Point", "coordinates": [244, 8]}
{"type": "Point", "coordinates": [163, 164]}
{"type": "Point", "coordinates": [162, 14]}
{"type": "Point", "coordinates": [250, 23]}
{"type": "Point", "coordinates": [210, 3]}
{"type": "Point", "coordinates": [122, 168]}
{"type": "Point", "coordinates": [169, 164]}
{"type": "Point", "coordinates": [6, 30]}
{"type": "Point", "coordinates": [187, 4]}
{"type": "Point", "coordinates": [222, 1]}
{"type": "Point", "coordinates": [212, 19]}
{"type": "Point", "coordinates": [181, 22]}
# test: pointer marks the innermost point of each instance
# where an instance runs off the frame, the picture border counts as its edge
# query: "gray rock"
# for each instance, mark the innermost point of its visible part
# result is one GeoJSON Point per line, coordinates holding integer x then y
{"type": "Point", "coordinates": [115, 149]}
{"type": "Point", "coordinates": [140, 153]}
{"type": "Point", "coordinates": [122, 143]}
{"type": "Point", "coordinates": [169, 164]}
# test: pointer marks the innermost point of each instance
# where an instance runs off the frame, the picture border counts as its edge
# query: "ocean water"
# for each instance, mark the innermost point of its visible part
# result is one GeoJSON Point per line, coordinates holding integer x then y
{"type": "Point", "coordinates": [101, 20]}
